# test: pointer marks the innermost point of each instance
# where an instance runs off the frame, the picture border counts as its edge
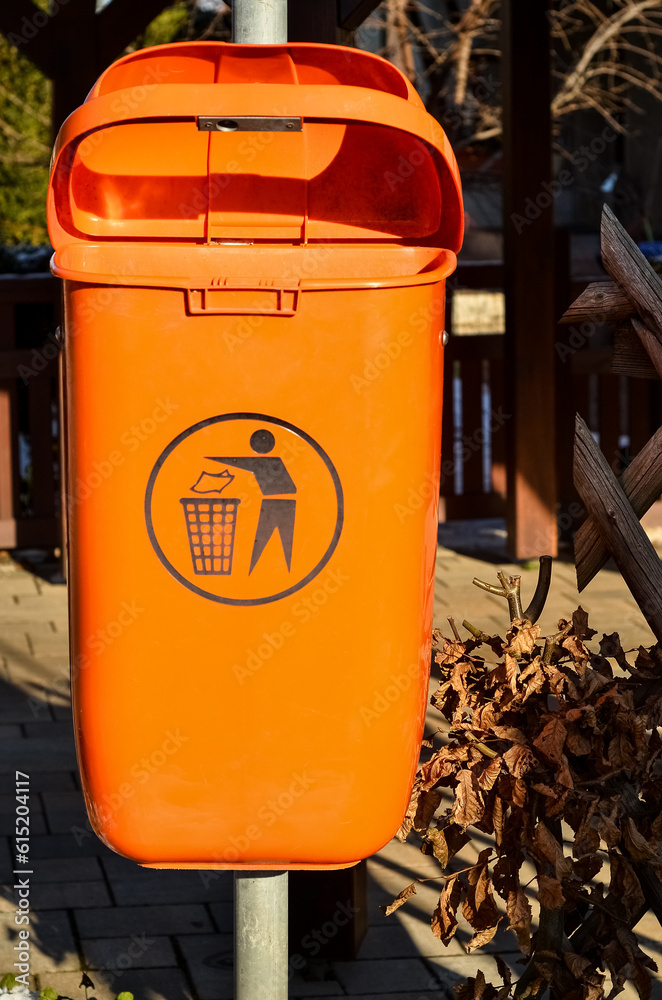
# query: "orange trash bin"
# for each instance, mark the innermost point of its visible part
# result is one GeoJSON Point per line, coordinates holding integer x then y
{"type": "Point", "coordinates": [254, 242]}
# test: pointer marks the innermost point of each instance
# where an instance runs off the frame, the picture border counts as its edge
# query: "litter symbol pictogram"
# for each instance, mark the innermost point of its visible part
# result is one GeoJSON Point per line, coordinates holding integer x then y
{"type": "Point", "coordinates": [272, 477]}
{"type": "Point", "coordinates": [271, 536]}
{"type": "Point", "coordinates": [211, 524]}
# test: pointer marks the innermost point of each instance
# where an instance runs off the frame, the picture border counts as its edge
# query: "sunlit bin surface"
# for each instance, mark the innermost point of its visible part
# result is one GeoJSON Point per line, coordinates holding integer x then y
{"type": "Point", "coordinates": [254, 243]}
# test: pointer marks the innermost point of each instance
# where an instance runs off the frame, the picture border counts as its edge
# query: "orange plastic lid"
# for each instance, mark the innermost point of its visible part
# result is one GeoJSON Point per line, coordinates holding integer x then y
{"type": "Point", "coordinates": [211, 142]}
{"type": "Point", "coordinates": [301, 142]}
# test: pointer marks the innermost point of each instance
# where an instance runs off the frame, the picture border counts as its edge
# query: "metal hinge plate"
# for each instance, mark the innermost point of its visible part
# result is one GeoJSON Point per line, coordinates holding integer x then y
{"type": "Point", "coordinates": [249, 124]}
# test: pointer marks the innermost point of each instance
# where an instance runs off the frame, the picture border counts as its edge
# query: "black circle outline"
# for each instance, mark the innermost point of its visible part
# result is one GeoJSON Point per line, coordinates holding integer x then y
{"type": "Point", "coordinates": [235, 601]}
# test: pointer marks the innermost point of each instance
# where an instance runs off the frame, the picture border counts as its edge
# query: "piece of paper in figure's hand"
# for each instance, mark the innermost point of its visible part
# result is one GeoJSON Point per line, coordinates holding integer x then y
{"type": "Point", "coordinates": [212, 482]}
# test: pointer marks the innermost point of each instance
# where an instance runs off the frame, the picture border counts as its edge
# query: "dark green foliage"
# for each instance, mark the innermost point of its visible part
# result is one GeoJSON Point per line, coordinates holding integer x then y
{"type": "Point", "coordinates": [25, 145]}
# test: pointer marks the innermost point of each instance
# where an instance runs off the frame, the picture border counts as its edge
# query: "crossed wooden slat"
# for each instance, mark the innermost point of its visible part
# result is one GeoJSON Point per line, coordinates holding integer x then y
{"type": "Point", "coordinates": [634, 299]}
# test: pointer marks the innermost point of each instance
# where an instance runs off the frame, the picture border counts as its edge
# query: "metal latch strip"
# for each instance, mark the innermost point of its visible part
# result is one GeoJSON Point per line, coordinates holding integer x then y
{"type": "Point", "coordinates": [248, 123]}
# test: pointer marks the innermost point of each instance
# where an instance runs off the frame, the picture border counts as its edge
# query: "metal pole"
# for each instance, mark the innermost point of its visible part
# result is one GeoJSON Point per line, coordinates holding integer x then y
{"type": "Point", "coordinates": [260, 935]}
{"type": "Point", "coordinates": [260, 898]}
{"type": "Point", "coordinates": [259, 22]}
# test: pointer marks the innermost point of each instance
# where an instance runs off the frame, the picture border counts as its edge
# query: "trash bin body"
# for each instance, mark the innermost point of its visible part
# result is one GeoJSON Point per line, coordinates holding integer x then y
{"type": "Point", "coordinates": [253, 361]}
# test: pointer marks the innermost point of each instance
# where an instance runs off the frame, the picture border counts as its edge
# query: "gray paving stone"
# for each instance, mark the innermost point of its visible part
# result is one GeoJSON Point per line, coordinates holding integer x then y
{"type": "Point", "coordinates": [140, 951]}
{"type": "Point", "coordinates": [15, 707]}
{"type": "Point", "coordinates": [138, 893]}
{"type": "Point", "coordinates": [67, 870]}
{"type": "Point", "coordinates": [53, 781]}
{"type": "Point", "coordinates": [21, 583]}
{"type": "Point", "coordinates": [6, 852]}
{"type": "Point", "coordinates": [298, 987]}
{"type": "Point", "coordinates": [63, 712]}
{"type": "Point", "coordinates": [41, 627]}
{"type": "Point", "coordinates": [209, 958]}
{"type": "Point", "coordinates": [118, 921]}
{"type": "Point", "coordinates": [223, 915]}
{"type": "Point", "coordinates": [38, 707]}
{"type": "Point", "coordinates": [123, 869]}
{"type": "Point", "coordinates": [50, 729]}
{"type": "Point", "coordinates": [14, 640]}
{"type": "Point", "coordinates": [8, 803]}
{"type": "Point", "coordinates": [27, 587]}
{"type": "Point", "coordinates": [648, 934]}
{"type": "Point", "coordinates": [384, 943]}
{"type": "Point", "coordinates": [8, 822]}
{"type": "Point", "coordinates": [10, 731]}
{"type": "Point", "coordinates": [36, 755]}
{"type": "Point", "coordinates": [64, 810]}
{"type": "Point", "coordinates": [155, 984]}
{"type": "Point", "coordinates": [46, 642]}
{"type": "Point", "coordinates": [399, 974]}
{"type": "Point", "coordinates": [68, 895]}
{"type": "Point", "coordinates": [216, 885]}
{"type": "Point", "coordinates": [417, 929]}
{"type": "Point", "coordinates": [456, 969]}
{"type": "Point", "coordinates": [81, 842]}
{"type": "Point", "coordinates": [437, 995]}
{"type": "Point", "coordinates": [52, 945]}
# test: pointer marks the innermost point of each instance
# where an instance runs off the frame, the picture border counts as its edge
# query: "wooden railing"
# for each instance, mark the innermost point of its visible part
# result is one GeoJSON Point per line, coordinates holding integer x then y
{"type": "Point", "coordinates": [29, 411]}
{"type": "Point", "coordinates": [473, 438]}
{"type": "Point", "coordinates": [621, 412]}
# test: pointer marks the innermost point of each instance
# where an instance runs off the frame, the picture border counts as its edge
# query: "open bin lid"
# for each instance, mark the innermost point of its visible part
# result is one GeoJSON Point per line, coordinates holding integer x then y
{"type": "Point", "coordinates": [209, 142]}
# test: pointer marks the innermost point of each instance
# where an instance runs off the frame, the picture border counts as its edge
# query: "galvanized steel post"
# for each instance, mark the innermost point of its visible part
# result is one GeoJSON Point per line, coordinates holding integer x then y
{"type": "Point", "coordinates": [260, 898]}
{"type": "Point", "coordinates": [259, 22]}
{"type": "Point", "coordinates": [260, 929]}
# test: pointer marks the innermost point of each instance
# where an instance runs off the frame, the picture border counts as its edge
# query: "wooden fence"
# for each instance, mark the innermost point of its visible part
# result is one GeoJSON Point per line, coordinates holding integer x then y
{"type": "Point", "coordinates": [29, 412]}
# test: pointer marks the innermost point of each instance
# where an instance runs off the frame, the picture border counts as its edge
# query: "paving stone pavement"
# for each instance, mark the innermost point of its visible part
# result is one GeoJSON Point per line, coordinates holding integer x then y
{"type": "Point", "coordinates": [168, 935]}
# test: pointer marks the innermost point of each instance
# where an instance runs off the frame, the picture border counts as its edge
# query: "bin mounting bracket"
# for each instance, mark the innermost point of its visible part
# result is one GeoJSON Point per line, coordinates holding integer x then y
{"type": "Point", "coordinates": [248, 123]}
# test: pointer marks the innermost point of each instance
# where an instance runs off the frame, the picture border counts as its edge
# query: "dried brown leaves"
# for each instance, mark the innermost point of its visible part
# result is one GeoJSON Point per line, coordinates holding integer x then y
{"type": "Point", "coordinates": [552, 732]}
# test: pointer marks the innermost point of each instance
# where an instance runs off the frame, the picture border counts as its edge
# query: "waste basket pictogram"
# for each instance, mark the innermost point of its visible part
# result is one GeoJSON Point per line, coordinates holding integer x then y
{"type": "Point", "coordinates": [211, 528]}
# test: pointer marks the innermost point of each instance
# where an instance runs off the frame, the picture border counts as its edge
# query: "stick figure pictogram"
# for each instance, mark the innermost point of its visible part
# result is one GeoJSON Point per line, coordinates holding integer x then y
{"type": "Point", "coordinates": [277, 487]}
